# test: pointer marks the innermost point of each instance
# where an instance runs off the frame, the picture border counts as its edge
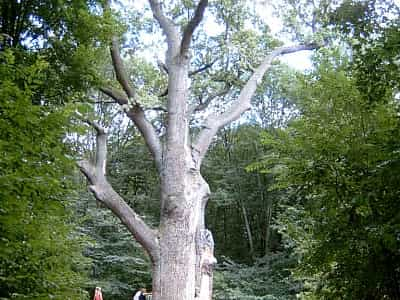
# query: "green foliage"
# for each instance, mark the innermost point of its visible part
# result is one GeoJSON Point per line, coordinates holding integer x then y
{"type": "Point", "coordinates": [272, 104]}
{"type": "Point", "coordinates": [118, 264]}
{"type": "Point", "coordinates": [133, 174]}
{"type": "Point", "coordinates": [71, 37]}
{"type": "Point", "coordinates": [40, 253]}
{"type": "Point", "coordinates": [234, 189]}
{"type": "Point", "coordinates": [371, 31]}
{"type": "Point", "coordinates": [338, 163]}
{"type": "Point", "coordinates": [150, 84]}
{"type": "Point", "coordinates": [267, 279]}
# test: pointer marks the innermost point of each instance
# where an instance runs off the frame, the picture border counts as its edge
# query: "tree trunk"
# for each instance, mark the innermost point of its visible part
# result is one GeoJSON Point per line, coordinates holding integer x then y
{"type": "Point", "coordinates": [248, 229]}
{"type": "Point", "coordinates": [178, 259]}
{"type": "Point", "coordinates": [181, 249]}
{"type": "Point", "coordinates": [178, 273]}
{"type": "Point", "coordinates": [268, 227]}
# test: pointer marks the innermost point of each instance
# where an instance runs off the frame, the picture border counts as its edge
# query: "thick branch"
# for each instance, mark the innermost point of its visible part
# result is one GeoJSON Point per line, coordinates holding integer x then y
{"type": "Point", "coordinates": [95, 174]}
{"type": "Point", "coordinates": [293, 49]}
{"type": "Point", "coordinates": [119, 97]}
{"type": "Point", "coordinates": [191, 26]}
{"type": "Point", "coordinates": [99, 167]}
{"type": "Point", "coordinates": [136, 114]}
{"type": "Point", "coordinates": [104, 193]}
{"type": "Point", "coordinates": [213, 123]}
{"type": "Point", "coordinates": [101, 150]}
{"type": "Point", "coordinates": [98, 170]}
{"type": "Point", "coordinates": [120, 72]}
{"type": "Point", "coordinates": [130, 105]}
{"type": "Point", "coordinates": [166, 24]}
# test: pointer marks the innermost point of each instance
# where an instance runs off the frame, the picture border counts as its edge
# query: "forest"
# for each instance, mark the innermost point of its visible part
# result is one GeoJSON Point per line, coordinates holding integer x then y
{"type": "Point", "coordinates": [221, 149]}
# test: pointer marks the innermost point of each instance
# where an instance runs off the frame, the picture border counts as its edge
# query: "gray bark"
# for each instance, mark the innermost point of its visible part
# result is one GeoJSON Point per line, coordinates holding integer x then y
{"type": "Point", "coordinates": [102, 190]}
{"type": "Point", "coordinates": [216, 122]}
{"type": "Point", "coordinates": [180, 264]}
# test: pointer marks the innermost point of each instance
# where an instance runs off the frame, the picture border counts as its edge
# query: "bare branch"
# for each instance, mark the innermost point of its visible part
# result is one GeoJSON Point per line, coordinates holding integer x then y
{"type": "Point", "coordinates": [203, 105]}
{"type": "Point", "coordinates": [132, 108]}
{"type": "Point", "coordinates": [166, 24]}
{"type": "Point", "coordinates": [99, 167]}
{"type": "Point", "coordinates": [191, 26]}
{"type": "Point", "coordinates": [157, 108]}
{"type": "Point", "coordinates": [119, 97]}
{"type": "Point", "coordinates": [104, 193]}
{"type": "Point", "coordinates": [120, 72]}
{"type": "Point", "coordinates": [293, 49]}
{"type": "Point", "coordinates": [136, 114]}
{"type": "Point", "coordinates": [214, 122]}
{"type": "Point", "coordinates": [203, 68]}
{"type": "Point", "coordinates": [122, 76]}
{"type": "Point", "coordinates": [101, 131]}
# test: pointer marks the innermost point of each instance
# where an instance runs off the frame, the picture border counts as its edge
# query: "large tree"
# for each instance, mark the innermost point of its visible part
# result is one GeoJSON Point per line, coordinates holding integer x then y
{"type": "Point", "coordinates": [181, 249]}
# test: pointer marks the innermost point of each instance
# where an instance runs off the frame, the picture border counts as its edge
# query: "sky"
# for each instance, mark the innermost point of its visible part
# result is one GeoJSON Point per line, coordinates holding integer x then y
{"type": "Point", "coordinates": [300, 60]}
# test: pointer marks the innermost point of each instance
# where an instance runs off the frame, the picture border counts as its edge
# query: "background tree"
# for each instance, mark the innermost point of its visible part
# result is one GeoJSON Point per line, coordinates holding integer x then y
{"type": "Point", "coordinates": [240, 213]}
{"type": "Point", "coordinates": [370, 30]}
{"type": "Point", "coordinates": [327, 161]}
{"type": "Point", "coordinates": [40, 250]}
{"type": "Point", "coordinates": [253, 263]}
{"type": "Point", "coordinates": [337, 163]}
{"type": "Point", "coordinates": [48, 51]}
{"type": "Point", "coordinates": [269, 277]}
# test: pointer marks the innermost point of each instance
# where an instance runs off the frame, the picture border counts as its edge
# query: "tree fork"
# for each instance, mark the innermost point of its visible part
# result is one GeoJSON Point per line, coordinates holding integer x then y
{"type": "Point", "coordinates": [103, 192]}
{"type": "Point", "coordinates": [182, 249]}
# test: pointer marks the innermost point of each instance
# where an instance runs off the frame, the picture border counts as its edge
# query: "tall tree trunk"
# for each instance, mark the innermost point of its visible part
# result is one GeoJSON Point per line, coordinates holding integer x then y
{"type": "Point", "coordinates": [268, 216]}
{"type": "Point", "coordinates": [248, 228]}
{"type": "Point", "coordinates": [181, 249]}
{"type": "Point", "coordinates": [182, 222]}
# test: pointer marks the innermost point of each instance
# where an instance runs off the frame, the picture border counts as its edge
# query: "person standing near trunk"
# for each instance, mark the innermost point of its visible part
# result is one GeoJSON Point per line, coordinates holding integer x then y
{"type": "Point", "coordinates": [97, 294]}
{"type": "Point", "coordinates": [140, 294]}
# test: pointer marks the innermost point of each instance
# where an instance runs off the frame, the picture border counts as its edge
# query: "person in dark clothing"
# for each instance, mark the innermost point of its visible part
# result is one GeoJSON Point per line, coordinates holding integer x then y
{"type": "Point", "coordinates": [140, 294]}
